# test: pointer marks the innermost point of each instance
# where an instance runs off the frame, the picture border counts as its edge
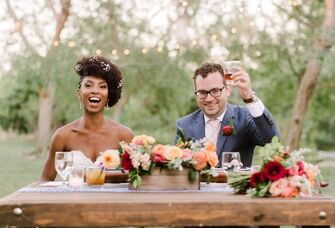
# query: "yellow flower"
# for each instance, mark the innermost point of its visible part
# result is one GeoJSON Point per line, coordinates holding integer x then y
{"type": "Point", "coordinates": [111, 159]}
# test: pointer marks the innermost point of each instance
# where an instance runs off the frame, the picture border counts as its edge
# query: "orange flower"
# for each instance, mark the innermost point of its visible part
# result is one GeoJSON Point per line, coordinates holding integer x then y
{"type": "Point", "coordinates": [212, 158]}
{"type": "Point", "coordinates": [310, 176]}
{"type": "Point", "coordinates": [290, 192]}
{"type": "Point", "coordinates": [209, 146]}
{"type": "Point", "coordinates": [200, 160]}
{"type": "Point", "coordinates": [173, 152]}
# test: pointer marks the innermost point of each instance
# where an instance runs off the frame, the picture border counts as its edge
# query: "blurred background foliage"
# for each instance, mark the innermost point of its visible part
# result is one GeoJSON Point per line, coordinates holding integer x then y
{"type": "Point", "coordinates": [158, 45]}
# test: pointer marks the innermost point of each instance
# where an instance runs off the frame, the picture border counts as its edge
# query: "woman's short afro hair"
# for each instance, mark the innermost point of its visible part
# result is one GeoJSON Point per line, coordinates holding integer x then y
{"type": "Point", "coordinates": [100, 66]}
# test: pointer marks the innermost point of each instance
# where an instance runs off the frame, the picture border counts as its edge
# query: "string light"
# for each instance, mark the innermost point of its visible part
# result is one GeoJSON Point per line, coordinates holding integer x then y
{"type": "Point", "coordinates": [213, 37]}
{"type": "Point", "coordinates": [126, 51]}
{"type": "Point", "coordinates": [194, 42]}
{"type": "Point", "coordinates": [184, 3]}
{"type": "Point", "coordinates": [114, 52]}
{"type": "Point", "coordinates": [177, 46]}
{"type": "Point", "coordinates": [159, 49]}
{"type": "Point", "coordinates": [98, 52]}
{"type": "Point", "coordinates": [55, 43]}
{"type": "Point", "coordinates": [144, 51]}
{"type": "Point", "coordinates": [258, 53]}
{"type": "Point", "coordinates": [72, 44]}
{"type": "Point", "coordinates": [17, 26]}
{"type": "Point", "coordinates": [233, 30]}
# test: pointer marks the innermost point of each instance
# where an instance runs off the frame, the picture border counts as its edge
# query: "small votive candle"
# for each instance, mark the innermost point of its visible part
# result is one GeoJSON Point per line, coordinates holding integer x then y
{"type": "Point", "coordinates": [76, 178]}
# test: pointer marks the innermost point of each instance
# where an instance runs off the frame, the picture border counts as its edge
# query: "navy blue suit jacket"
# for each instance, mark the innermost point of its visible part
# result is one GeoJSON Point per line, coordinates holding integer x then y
{"type": "Point", "coordinates": [249, 131]}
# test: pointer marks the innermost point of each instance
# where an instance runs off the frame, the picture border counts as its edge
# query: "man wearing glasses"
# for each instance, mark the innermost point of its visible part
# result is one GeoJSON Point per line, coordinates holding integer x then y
{"type": "Point", "coordinates": [230, 127]}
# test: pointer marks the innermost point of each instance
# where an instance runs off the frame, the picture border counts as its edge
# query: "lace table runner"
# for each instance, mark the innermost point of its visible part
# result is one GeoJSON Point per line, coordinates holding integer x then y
{"type": "Point", "coordinates": [121, 187]}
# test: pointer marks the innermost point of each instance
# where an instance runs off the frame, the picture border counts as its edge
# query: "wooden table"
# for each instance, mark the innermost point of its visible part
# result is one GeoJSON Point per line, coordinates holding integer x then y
{"type": "Point", "coordinates": [161, 209]}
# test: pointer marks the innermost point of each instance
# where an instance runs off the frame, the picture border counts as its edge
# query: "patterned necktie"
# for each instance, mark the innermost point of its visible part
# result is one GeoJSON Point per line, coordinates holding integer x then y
{"type": "Point", "coordinates": [215, 126]}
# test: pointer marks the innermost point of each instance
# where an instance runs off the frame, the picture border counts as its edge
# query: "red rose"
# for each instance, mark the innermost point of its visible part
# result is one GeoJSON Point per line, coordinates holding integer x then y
{"type": "Point", "coordinates": [227, 130]}
{"type": "Point", "coordinates": [257, 178]}
{"type": "Point", "coordinates": [126, 161]}
{"type": "Point", "coordinates": [274, 170]}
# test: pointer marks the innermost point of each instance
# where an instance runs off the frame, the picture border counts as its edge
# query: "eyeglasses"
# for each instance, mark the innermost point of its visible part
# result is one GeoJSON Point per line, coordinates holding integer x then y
{"type": "Point", "coordinates": [202, 94]}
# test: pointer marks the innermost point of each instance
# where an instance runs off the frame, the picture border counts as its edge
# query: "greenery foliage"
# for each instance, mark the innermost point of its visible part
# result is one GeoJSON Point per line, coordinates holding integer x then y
{"type": "Point", "coordinates": [158, 84]}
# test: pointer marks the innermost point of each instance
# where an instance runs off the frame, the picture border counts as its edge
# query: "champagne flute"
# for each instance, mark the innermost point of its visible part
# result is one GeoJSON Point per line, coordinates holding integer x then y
{"type": "Point", "coordinates": [64, 165]}
{"type": "Point", "coordinates": [231, 161]}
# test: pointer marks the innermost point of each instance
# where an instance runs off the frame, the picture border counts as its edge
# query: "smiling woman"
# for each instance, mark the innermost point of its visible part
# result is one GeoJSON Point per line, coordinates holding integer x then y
{"type": "Point", "coordinates": [100, 87]}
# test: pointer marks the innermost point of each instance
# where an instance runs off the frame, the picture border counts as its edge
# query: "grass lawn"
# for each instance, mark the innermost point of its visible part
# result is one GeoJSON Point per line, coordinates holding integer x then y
{"type": "Point", "coordinates": [19, 168]}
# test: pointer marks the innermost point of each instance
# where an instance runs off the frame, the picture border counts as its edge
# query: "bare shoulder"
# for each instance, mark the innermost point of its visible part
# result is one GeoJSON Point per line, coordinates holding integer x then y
{"type": "Point", "coordinates": [124, 133]}
{"type": "Point", "coordinates": [63, 133]}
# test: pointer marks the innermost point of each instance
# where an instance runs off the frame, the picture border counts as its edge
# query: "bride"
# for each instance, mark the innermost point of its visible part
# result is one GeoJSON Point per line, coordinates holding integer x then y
{"type": "Point", "coordinates": [100, 87]}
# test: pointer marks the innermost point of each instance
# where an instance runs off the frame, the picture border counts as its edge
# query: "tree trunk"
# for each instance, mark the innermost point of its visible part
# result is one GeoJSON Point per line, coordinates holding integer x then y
{"type": "Point", "coordinates": [45, 117]}
{"type": "Point", "coordinates": [309, 80]}
{"type": "Point", "coordinates": [47, 94]}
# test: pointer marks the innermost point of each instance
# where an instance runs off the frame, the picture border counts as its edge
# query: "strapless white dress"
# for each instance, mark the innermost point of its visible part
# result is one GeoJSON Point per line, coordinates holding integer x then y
{"type": "Point", "coordinates": [79, 159]}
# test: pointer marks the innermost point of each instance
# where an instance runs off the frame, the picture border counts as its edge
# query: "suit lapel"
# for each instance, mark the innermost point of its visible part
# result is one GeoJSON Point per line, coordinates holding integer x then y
{"type": "Point", "coordinates": [199, 127]}
{"type": "Point", "coordinates": [229, 115]}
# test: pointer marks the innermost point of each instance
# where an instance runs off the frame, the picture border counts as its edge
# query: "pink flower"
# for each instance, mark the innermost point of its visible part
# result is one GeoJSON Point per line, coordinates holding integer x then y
{"type": "Point", "coordinates": [278, 187]}
{"type": "Point", "coordinates": [158, 154]}
{"type": "Point", "coordinates": [301, 168]}
{"type": "Point", "coordinates": [187, 153]}
{"type": "Point", "coordinates": [292, 171]}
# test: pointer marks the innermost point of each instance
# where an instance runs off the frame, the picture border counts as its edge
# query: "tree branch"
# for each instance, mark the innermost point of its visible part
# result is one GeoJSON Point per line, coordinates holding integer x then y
{"type": "Point", "coordinates": [61, 20]}
{"type": "Point", "coordinates": [19, 26]}
{"type": "Point", "coordinates": [308, 23]}
{"type": "Point", "coordinates": [50, 5]}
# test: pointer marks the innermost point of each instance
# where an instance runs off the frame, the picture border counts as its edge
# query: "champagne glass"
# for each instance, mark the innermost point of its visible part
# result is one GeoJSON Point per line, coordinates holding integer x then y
{"type": "Point", "coordinates": [229, 69]}
{"type": "Point", "coordinates": [231, 161]}
{"type": "Point", "coordinates": [64, 164]}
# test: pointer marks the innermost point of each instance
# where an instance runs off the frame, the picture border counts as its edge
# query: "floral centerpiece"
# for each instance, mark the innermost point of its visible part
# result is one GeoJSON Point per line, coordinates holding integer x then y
{"type": "Point", "coordinates": [282, 174]}
{"type": "Point", "coordinates": [141, 156]}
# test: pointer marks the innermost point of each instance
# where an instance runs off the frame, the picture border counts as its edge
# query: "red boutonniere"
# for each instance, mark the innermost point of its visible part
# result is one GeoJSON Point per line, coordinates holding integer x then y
{"type": "Point", "coordinates": [229, 129]}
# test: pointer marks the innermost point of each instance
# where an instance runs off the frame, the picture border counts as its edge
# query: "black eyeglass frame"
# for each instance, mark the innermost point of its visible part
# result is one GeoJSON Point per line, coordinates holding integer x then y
{"type": "Point", "coordinates": [209, 92]}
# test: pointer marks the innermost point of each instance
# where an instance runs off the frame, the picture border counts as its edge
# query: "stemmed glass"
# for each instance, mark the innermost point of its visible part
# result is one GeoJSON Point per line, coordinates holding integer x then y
{"type": "Point", "coordinates": [64, 164]}
{"type": "Point", "coordinates": [231, 161]}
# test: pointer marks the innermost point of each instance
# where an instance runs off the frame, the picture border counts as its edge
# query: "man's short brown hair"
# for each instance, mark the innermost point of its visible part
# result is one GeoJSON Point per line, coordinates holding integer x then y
{"type": "Point", "coordinates": [207, 68]}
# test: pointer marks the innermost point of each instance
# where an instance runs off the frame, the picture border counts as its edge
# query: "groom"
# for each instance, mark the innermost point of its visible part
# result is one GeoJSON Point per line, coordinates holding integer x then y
{"type": "Point", "coordinates": [230, 127]}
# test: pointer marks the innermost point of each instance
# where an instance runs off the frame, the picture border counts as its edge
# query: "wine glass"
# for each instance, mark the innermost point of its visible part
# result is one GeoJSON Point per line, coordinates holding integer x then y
{"type": "Point", "coordinates": [229, 69]}
{"type": "Point", "coordinates": [64, 164]}
{"type": "Point", "coordinates": [231, 161]}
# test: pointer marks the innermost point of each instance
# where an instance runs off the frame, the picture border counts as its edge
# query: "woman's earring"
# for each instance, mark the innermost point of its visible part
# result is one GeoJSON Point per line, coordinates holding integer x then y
{"type": "Point", "coordinates": [80, 105]}
{"type": "Point", "coordinates": [106, 106]}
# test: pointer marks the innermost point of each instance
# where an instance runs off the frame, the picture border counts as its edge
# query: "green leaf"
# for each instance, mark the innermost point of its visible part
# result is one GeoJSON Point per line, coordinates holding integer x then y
{"type": "Point", "coordinates": [192, 174]}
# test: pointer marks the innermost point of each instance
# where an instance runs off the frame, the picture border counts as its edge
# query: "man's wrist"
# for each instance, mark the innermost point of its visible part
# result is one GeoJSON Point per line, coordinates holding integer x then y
{"type": "Point", "coordinates": [251, 99]}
